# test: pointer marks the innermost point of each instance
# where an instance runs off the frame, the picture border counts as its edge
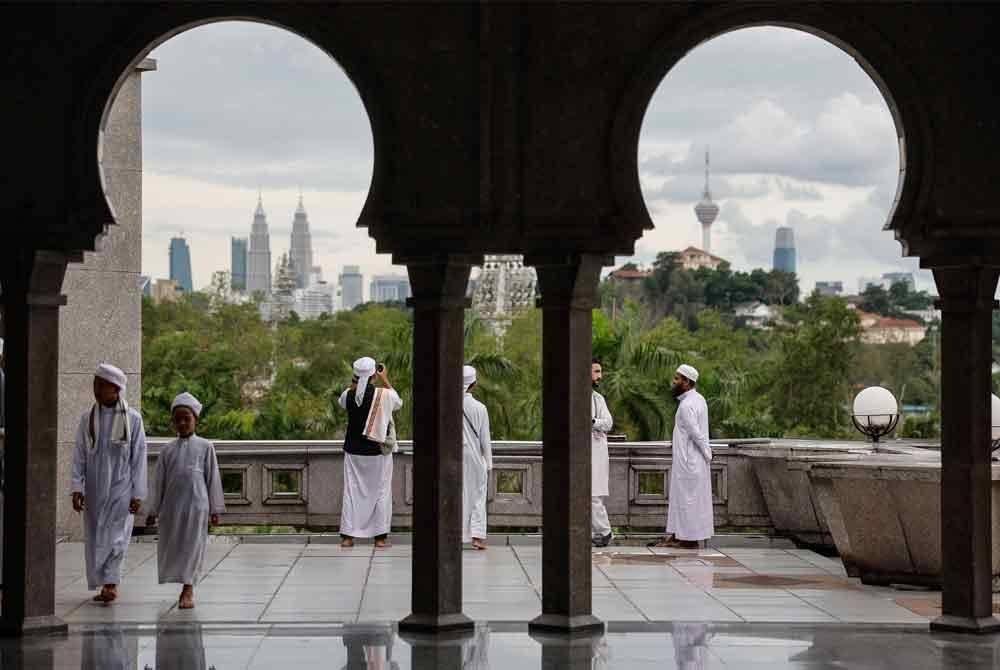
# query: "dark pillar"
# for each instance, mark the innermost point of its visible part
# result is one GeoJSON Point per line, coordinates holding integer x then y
{"type": "Point", "coordinates": [966, 306]}
{"type": "Point", "coordinates": [442, 651]}
{"type": "Point", "coordinates": [569, 292]}
{"type": "Point", "coordinates": [568, 652]}
{"type": "Point", "coordinates": [439, 303]}
{"type": "Point", "coordinates": [31, 283]}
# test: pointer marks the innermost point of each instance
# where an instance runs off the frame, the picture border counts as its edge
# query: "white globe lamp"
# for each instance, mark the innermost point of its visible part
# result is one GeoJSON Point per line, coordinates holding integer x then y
{"type": "Point", "coordinates": [876, 412]}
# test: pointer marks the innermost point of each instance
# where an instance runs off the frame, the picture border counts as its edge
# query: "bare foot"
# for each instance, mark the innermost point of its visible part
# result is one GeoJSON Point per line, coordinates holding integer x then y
{"type": "Point", "coordinates": [108, 594]}
{"type": "Point", "coordinates": [479, 545]}
{"type": "Point", "coordinates": [381, 543]}
{"type": "Point", "coordinates": [347, 542]}
{"type": "Point", "coordinates": [186, 601]}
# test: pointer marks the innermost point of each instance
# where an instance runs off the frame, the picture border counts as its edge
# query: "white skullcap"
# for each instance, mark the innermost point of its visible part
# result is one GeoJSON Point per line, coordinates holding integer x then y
{"type": "Point", "coordinates": [110, 373]}
{"type": "Point", "coordinates": [186, 400]}
{"type": "Point", "coordinates": [689, 372]}
{"type": "Point", "coordinates": [468, 377]}
{"type": "Point", "coordinates": [364, 368]}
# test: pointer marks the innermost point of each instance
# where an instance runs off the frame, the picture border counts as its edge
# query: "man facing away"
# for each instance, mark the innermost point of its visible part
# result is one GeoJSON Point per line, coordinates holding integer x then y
{"type": "Point", "coordinates": [477, 462]}
{"type": "Point", "coordinates": [600, 425]}
{"type": "Point", "coordinates": [367, 507]}
{"type": "Point", "coordinates": [109, 479]}
{"type": "Point", "coordinates": [689, 514]}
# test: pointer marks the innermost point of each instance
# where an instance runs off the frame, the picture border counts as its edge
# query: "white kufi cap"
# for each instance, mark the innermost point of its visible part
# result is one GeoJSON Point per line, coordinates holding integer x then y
{"type": "Point", "coordinates": [468, 377]}
{"type": "Point", "coordinates": [689, 372]}
{"type": "Point", "coordinates": [364, 368]}
{"type": "Point", "coordinates": [110, 373]}
{"type": "Point", "coordinates": [186, 400]}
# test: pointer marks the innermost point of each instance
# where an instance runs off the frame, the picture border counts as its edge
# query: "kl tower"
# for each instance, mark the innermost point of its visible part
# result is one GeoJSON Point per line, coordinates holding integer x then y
{"type": "Point", "coordinates": [706, 211]}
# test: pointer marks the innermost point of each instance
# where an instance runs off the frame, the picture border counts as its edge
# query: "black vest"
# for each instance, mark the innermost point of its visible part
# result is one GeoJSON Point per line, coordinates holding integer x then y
{"type": "Point", "coordinates": [354, 442]}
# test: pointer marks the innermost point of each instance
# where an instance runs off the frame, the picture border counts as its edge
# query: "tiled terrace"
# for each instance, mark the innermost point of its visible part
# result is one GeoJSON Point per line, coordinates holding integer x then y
{"type": "Point", "coordinates": [252, 583]}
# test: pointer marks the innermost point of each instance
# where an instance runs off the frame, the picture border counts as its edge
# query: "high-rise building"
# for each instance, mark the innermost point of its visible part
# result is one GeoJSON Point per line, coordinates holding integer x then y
{"type": "Point", "coordinates": [830, 288]}
{"type": "Point", "coordinates": [784, 250]}
{"type": "Point", "coordinates": [301, 254]}
{"type": "Point", "coordinates": [351, 287]}
{"type": "Point", "coordinates": [504, 287]}
{"type": "Point", "coordinates": [259, 255]}
{"type": "Point", "coordinates": [238, 263]}
{"type": "Point", "coordinates": [389, 288]}
{"type": "Point", "coordinates": [314, 301]}
{"type": "Point", "coordinates": [180, 264]}
{"type": "Point", "coordinates": [706, 211]}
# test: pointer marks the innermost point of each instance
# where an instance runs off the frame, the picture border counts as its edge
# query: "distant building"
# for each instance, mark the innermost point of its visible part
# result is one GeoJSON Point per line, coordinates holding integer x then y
{"type": "Point", "coordinates": [165, 290]}
{"type": "Point", "coordinates": [830, 288]}
{"type": "Point", "coordinates": [351, 287]}
{"type": "Point", "coordinates": [865, 282]}
{"type": "Point", "coordinates": [238, 249]}
{"type": "Point", "coordinates": [629, 275]}
{"type": "Point", "coordinates": [876, 329]}
{"type": "Point", "coordinates": [891, 278]}
{"type": "Point", "coordinates": [504, 287]}
{"type": "Point", "coordinates": [706, 211]}
{"type": "Point", "coordinates": [312, 302]}
{"type": "Point", "coordinates": [784, 250]}
{"type": "Point", "coordinates": [180, 264]}
{"type": "Point", "coordinates": [146, 286]}
{"type": "Point", "coordinates": [389, 288]}
{"type": "Point", "coordinates": [301, 254]}
{"type": "Point", "coordinates": [694, 258]}
{"type": "Point", "coordinates": [259, 254]}
{"type": "Point", "coordinates": [755, 315]}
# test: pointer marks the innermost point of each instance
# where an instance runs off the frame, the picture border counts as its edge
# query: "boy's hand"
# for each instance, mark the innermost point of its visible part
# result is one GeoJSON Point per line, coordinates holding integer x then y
{"type": "Point", "coordinates": [214, 519]}
{"type": "Point", "coordinates": [79, 502]}
{"type": "Point", "coordinates": [134, 505]}
{"type": "Point", "coordinates": [151, 520]}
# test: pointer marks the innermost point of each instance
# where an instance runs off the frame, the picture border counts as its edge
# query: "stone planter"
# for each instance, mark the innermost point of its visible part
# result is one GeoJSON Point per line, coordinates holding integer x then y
{"type": "Point", "coordinates": [884, 513]}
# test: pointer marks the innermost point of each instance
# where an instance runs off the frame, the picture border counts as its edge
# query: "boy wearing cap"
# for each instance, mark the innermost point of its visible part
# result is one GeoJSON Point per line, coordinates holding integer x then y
{"type": "Point", "coordinates": [187, 496]}
{"type": "Point", "coordinates": [109, 479]}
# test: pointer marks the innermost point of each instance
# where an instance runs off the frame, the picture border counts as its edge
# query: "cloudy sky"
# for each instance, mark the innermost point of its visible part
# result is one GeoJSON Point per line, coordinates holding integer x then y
{"type": "Point", "coordinates": [799, 135]}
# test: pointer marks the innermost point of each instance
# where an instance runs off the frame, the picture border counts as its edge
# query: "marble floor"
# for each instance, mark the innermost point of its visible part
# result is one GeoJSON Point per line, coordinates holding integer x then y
{"type": "Point", "coordinates": [684, 646]}
{"type": "Point", "coordinates": [321, 583]}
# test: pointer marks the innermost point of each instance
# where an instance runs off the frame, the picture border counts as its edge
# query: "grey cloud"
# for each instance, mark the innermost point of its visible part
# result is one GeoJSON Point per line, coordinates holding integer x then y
{"type": "Point", "coordinates": [688, 188]}
{"type": "Point", "coordinates": [794, 191]}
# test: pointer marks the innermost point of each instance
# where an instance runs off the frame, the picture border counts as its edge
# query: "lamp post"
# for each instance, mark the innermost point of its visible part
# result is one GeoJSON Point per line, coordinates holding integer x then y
{"type": "Point", "coordinates": [876, 413]}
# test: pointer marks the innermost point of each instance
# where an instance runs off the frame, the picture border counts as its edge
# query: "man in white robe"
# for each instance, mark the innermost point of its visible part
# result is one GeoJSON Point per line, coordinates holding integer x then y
{"type": "Point", "coordinates": [600, 463]}
{"type": "Point", "coordinates": [186, 497]}
{"type": "Point", "coordinates": [477, 462]}
{"type": "Point", "coordinates": [367, 502]}
{"type": "Point", "coordinates": [689, 512]}
{"type": "Point", "coordinates": [108, 479]}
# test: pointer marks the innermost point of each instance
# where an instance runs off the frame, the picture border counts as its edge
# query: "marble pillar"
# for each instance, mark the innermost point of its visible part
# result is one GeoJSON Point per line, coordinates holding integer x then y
{"type": "Point", "coordinates": [31, 283]}
{"type": "Point", "coordinates": [103, 293]}
{"type": "Point", "coordinates": [568, 287]}
{"type": "Point", "coordinates": [439, 303]}
{"type": "Point", "coordinates": [966, 305]}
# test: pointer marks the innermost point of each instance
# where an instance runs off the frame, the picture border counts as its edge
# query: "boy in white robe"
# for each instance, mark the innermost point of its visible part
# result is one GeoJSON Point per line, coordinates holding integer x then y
{"type": "Point", "coordinates": [689, 511]}
{"type": "Point", "coordinates": [367, 504]}
{"type": "Point", "coordinates": [187, 496]}
{"type": "Point", "coordinates": [477, 462]}
{"type": "Point", "coordinates": [600, 463]}
{"type": "Point", "coordinates": [108, 479]}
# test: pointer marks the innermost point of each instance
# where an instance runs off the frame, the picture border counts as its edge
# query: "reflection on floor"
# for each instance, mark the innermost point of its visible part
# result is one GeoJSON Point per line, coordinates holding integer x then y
{"type": "Point", "coordinates": [324, 584]}
{"type": "Point", "coordinates": [686, 646]}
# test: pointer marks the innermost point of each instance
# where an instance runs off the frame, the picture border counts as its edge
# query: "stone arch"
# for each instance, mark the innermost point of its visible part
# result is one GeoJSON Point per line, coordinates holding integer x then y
{"type": "Point", "coordinates": [875, 55]}
{"type": "Point", "coordinates": [92, 205]}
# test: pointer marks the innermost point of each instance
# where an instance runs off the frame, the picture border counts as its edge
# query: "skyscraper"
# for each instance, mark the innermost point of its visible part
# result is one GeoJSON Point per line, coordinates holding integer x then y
{"type": "Point", "coordinates": [389, 288]}
{"type": "Point", "coordinates": [180, 264]}
{"type": "Point", "coordinates": [301, 253]}
{"type": "Point", "coordinates": [351, 286]}
{"type": "Point", "coordinates": [259, 256]}
{"type": "Point", "coordinates": [784, 249]}
{"type": "Point", "coordinates": [238, 263]}
{"type": "Point", "coordinates": [706, 211]}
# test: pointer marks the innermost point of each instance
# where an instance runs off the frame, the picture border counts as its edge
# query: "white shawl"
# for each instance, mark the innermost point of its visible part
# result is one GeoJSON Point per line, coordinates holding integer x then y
{"type": "Point", "coordinates": [120, 425]}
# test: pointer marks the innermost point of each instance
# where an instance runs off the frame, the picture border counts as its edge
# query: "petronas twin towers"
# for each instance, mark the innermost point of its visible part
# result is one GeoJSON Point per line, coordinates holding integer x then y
{"type": "Point", "coordinates": [259, 254]}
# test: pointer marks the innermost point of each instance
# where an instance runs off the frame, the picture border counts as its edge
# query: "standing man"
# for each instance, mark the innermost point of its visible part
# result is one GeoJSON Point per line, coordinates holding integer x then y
{"type": "Point", "coordinates": [689, 515]}
{"type": "Point", "coordinates": [600, 463]}
{"type": "Point", "coordinates": [477, 462]}
{"type": "Point", "coordinates": [368, 447]}
{"type": "Point", "coordinates": [109, 479]}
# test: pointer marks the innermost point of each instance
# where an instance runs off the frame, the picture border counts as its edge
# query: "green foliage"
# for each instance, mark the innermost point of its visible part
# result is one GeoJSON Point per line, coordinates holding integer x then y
{"type": "Point", "coordinates": [895, 301]}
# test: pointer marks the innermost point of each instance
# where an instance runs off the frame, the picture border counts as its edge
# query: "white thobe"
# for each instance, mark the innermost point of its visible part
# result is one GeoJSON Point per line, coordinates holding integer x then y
{"type": "Point", "coordinates": [689, 512]}
{"type": "Point", "coordinates": [690, 645]}
{"type": "Point", "coordinates": [105, 649]}
{"type": "Point", "coordinates": [477, 462]}
{"type": "Point", "coordinates": [600, 464]}
{"type": "Point", "coordinates": [476, 649]}
{"type": "Point", "coordinates": [180, 648]}
{"type": "Point", "coordinates": [109, 474]}
{"type": "Point", "coordinates": [186, 490]}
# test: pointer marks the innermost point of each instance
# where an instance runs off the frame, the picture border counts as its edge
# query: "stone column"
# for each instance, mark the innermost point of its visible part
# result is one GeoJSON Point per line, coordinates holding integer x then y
{"type": "Point", "coordinates": [439, 303]}
{"type": "Point", "coordinates": [966, 306]}
{"type": "Point", "coordinates": [31, 283]}
{"type": "Point", "coordinates": [568, 287]}
{"type": "Point", "coordinates": [568, 652]}
{"type": "Point", "coordinates": [442, 651]}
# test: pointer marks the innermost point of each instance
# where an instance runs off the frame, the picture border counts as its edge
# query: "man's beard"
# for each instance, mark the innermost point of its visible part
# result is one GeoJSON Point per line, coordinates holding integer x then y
{"type": "Point", "coordinates": [676, 390]}
{"type": "Point", "coordinates": [595, 383]}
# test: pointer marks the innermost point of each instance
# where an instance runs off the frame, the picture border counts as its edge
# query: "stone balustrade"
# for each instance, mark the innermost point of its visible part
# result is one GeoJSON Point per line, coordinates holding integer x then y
{"type": "Point", "coordinates": [300, 483]}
